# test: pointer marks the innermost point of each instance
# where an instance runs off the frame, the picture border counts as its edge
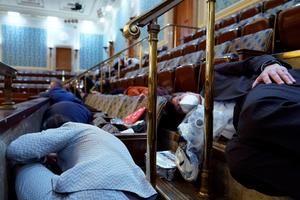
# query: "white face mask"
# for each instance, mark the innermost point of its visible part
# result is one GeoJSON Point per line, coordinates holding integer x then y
{"type": "Point", "coordinates": [188, 102]}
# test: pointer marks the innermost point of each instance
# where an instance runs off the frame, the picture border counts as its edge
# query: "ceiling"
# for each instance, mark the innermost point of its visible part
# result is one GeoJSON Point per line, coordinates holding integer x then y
{"type": "Point", "coordinates": [91, 9]}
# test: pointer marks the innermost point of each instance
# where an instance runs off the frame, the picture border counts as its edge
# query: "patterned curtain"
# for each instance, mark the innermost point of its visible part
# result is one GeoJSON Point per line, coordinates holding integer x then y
{"type": "Point", "coordinates": [24, 46]}
{"type": "Point", "coordinates": [222, 4]}
{"type": "Point", "coordinates": [122, 19]}
{"type": "Point", "coordinates": [90, 50]}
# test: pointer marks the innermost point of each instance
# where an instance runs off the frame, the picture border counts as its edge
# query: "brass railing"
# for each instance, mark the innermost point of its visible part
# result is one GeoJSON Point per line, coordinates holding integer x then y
{"type": "Point", "coordinates": [131, 30]}
{"type": "Point", "coordinates": [205, 188]}
{"type": "Point", "coordinates": [104, 61]}
{"type": "Point", "coordinates": [118, 54]}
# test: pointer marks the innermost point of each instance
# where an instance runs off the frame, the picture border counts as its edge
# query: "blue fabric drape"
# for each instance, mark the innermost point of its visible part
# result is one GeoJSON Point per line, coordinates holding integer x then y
{"type": "Point", "coordinates": [90, 50]}
{"type": "Point", "coordinates": [24, 46]}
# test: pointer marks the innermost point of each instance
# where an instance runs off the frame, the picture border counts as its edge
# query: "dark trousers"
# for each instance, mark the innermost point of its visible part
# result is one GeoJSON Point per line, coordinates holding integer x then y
{"type": "Point", "coordinates": [265, 153]}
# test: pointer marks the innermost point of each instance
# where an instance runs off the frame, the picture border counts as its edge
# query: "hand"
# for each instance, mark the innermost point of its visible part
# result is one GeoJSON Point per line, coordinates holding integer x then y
{"type": "Point", "coordinates": [274, 73]}
{"type": "Point", "coordinates": [51, 158]}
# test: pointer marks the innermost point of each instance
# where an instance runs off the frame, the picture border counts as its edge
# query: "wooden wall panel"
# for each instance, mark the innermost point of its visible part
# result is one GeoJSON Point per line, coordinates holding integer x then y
{"type": "Point", "coordinates": [64, 59]}
{"type": "Point", "coordinates": [183, 15]}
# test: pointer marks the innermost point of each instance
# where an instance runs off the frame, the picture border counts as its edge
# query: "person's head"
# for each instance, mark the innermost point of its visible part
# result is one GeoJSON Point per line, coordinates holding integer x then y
{"type": "Point", "coordinates": [177, 98]}
{"type": "Point", "coordinates": [55, 83]}
{"type": "Point", "coordinates": [55, 121]}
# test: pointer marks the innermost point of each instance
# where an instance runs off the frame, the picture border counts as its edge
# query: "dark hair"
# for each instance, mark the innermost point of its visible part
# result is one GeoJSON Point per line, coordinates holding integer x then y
{"type": "Point", "coordinates": [58, 83]}
{"type": "Point", "coordinates": [55, 121]}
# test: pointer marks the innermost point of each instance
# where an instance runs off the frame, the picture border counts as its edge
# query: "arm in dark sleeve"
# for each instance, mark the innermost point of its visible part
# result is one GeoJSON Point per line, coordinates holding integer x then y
{"type": "Point", "coordinates": [231, 68]}
{"type": "Point", "coordinates": [255, 65]}
{"type": "Point", "coordinates": [248, 67]}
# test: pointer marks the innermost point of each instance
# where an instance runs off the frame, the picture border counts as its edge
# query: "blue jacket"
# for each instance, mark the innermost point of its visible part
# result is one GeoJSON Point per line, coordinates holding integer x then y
{"type": "Point", "coordinates": [60, 94]}
{"type": "Point", "coordinates": [74, 112]}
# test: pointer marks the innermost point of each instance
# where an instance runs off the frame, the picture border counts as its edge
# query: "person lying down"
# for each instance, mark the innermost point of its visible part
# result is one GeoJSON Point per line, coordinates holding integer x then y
{"type": "Point", "coordinates": [94, 164]}
{"type": "Point", "coordinates": [188, 155]}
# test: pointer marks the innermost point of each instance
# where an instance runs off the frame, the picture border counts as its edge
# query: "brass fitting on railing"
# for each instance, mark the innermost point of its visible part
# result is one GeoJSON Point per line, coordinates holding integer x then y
{"type": "Point", "coordinates": [205, 176]}
{"type": "Point", "coordinates": [131, 31]}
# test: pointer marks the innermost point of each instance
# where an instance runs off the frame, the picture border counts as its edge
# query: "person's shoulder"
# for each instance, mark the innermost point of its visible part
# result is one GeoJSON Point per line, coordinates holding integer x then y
{"type": "Point", "coordinates": [64, 103]}
{"type": "Point", "coordinates": [73, 124]}
{"type": "Point", "coordinates": [57, 89]}
{"type": "Point", "coordinates": [72, 104]}
{"type": "Point", "coordinates": [80, 126]}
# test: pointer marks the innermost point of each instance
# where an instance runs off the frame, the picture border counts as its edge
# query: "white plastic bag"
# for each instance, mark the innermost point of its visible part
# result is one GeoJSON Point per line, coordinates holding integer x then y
{"type": "Point", "coordinates": [189, 159]}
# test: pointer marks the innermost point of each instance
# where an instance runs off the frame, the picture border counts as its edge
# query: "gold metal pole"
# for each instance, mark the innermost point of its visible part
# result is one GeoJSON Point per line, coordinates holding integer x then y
{"type": "Point", "coordinates": [131, 30]}
{"type": "Point", "coordinates": [85, 85]}
{"type": "Point", "coordinates": [131, 46]}
{"type": "Point", "coordinates": [111, 51]}
{"type": "Point", "coordinates": [109, 70]}
{"type": "Point", "coordinates": [205, 188]}
{"type": "Point", "coordinates": [141, 55]}
{"type": "Point", "coordinates": [174, 36]}
{"type": "Point", "coordinates": [119, 67]}
{"type": "Point", "coordinates": [101, 79]}
{"type": "Point", "coordinates": [153, 29]}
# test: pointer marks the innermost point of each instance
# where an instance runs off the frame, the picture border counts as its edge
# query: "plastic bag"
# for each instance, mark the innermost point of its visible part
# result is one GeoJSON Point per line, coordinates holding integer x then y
{"type": "Point", "coordinates": [135, 116]}
{"type": "Point", "coordinates": [165, 164]}
{"type": "Point", "coordinates": [189, 158]}
{"type": "Point", "coordinates": [138, 127]}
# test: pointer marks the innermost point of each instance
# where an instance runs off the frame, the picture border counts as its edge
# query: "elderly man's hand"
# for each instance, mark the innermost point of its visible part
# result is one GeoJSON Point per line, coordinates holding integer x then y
{"type": "Point", "coordinates": [274, 73]}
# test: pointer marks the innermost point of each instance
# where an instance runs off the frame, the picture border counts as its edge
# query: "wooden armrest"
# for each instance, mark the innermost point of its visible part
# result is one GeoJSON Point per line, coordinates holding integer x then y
{"type": "Point", "coordinates": [247, 53]}
{"type": "Point", "coordinates": [226, 58]}
{"type": "Point", "coordinates": [136, 144]}
{"type": "Point", "coordinates": [33, 97]}
{"type": "Point", "coordinates": [231, 57]}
